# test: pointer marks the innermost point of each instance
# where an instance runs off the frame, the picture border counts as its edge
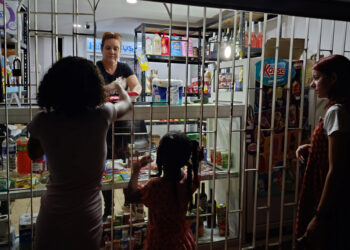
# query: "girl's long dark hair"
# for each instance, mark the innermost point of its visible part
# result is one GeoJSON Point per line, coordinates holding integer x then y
{"type": "Point", "coordinates": [174, 152]}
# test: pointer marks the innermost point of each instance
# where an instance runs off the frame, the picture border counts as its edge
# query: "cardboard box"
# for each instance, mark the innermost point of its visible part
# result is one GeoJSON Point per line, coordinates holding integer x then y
{"type": "Point", "coordinates": [284, 45]}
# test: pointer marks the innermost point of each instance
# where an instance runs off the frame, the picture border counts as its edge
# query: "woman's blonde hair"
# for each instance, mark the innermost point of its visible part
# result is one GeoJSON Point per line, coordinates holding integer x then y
{"type": "Point", "coordinates": [111, 35]}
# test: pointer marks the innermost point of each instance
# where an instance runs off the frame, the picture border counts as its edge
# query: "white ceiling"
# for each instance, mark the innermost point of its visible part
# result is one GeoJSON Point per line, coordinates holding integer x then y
{"type": "Point", "coordinates": [117, 15]}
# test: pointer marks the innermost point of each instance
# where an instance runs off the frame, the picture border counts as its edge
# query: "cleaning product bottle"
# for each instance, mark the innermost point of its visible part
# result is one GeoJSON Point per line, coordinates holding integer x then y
{"type": "Point", "coordinates": [23, 160]}
{"type": "Point", "coordinates": [175, 45]}
{"type": "Point", "coordinates": [148, 46]}
{"type": "Point", "coordinates": [253, 41]}
{"type": "Point", "coordinates": [156, 44]}
{"type": "Point", "coordinates": [259, 38]}
{"type": "Point", "coordinates": [184, 46]}
{"type": "Point", "coordinates": [165, 45]}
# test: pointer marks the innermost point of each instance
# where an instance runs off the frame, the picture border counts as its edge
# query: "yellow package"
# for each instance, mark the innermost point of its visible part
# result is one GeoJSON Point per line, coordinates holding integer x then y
{"type": "Point", "coordinates": [143, 62]}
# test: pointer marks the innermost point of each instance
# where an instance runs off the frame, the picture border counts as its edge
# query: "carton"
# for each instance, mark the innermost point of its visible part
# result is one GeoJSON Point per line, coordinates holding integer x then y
{"type": "Point", "coordinates": [283, 51]}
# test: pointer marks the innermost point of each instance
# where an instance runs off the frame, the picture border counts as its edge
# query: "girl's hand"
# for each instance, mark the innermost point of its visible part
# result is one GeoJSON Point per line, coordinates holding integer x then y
{"type": "Point", "coordinates": [313, 233]}
{"type": "Point", "coordinates": [302, 152]}
{"type": "Point", "coordinates": [142, 162]}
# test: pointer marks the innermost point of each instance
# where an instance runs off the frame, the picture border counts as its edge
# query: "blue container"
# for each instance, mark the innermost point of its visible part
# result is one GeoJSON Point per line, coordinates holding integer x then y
{"type": "Point", "coordinates": [176, 46]}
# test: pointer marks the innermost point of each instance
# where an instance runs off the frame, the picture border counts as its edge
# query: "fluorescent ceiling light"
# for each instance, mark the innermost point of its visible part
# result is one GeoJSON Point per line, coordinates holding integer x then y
{"type": "Point", "coordinates": [76, 25]}
{"type": "Point", "coordinates": [131, 1]}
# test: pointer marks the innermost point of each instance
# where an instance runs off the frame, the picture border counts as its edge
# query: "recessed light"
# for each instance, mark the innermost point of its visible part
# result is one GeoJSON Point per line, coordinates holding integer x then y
{"type": "Point", "coordinates": [131, 1]}
{"type": "Point", "coordinates": [75, 25]}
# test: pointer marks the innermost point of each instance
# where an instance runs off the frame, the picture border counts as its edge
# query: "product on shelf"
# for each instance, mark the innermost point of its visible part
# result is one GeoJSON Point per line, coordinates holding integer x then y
{"type": "Point", "coordinates": [209, 210]}
{"type": "Point", "coordinates": [142, 59]}
{"type": "Point", "coordinates": [175, 46]}
{"type": "Point", "coordinates": [224, 159]}
{"type": "Point", "coordinates": [159, 91]}
{"type": "Point", "coordinates": [148, 46]}
{"type": "Point", "coordinates": [25, 229]}
{"type": "Point", "coordinates": [184, 47]}
{"type": "Point", "coordinates": [165, 45]}
{"type": "Point", "coordinates": [12, 152]}
{"type": "Point", "coordinates": [203, 198]}
{"type": "Point", "coordinates": [253, 43]}
{"type": "Point", "coordinates": [38, 166]}
{"type": "Point", "coordinates": [221, 214]}
{"type": "Point", "coordinates": [259, 38]}
{"type": "Point", "coordinates": [156, 44]}
{"type": "Point", "coordinates": [195, 86]}
{"type": "Point", "coordinates": [23, 160]}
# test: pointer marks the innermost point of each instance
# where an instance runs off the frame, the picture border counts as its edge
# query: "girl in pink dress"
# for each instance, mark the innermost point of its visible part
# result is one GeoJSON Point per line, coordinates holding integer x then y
{"type": "Point", "coordinates": [71, 131]}
{"type": "Point", "coordinates": [167, 197]}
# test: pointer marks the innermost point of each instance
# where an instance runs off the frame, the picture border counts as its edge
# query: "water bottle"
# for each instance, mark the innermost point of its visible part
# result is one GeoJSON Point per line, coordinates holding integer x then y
{"type": "Point", "coordinates": [11, 157]}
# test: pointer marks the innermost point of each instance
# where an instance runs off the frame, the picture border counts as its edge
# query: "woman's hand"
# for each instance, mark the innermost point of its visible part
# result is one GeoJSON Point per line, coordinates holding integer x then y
{"type": "Point", "coordinates": [141, 163]}
{"type": "Point", "coordinates": [302, 152]}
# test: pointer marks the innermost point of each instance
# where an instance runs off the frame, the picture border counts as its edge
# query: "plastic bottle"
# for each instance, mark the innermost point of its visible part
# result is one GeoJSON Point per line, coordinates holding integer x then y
{"type": "Point", "coordinates": [11, 157]}
{"type": "Point", "coordinates": [165, 45]}
{"type": "Point", "coordinates": [253, 41]}
{"type": "Point", "coordinates": [23, 160]}
{"type": "Point", "coordinates": [148, 46]}
{"type": "Point", "coordinates": [156, 44]}
{"type": "Point", "coordinates": [184, 47]}
{"type": "Point", "coordinates": [259, 38]}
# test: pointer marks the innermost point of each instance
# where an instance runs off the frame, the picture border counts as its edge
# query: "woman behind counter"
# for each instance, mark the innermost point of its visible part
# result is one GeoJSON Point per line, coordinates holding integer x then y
{"type": "Point", "coordinates": [111, 69]}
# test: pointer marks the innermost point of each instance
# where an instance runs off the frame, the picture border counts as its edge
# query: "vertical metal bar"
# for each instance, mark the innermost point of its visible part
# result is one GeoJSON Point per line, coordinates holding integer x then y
{"type": "Point", "coordinates": [52, 29]}
{"type": "Point", "coordinates": [77, 27]}
{"type": "Point", "coordinates": [227, 229]}
{"type": "Point", "coordinates": [286, 130]}
{"type": "Point", "coordinates": [18, 48]}
{"type": "Point", "coordinates": [301, 114]}
{"type": "Point", "coordinates": [313, 122]}
{"type": "Point", "coordinates": [332, 40]}
{"type": "Point", "coordinates": [244, 133]}
{"type": "Point", "coordinates": [201, 107]}
{"type": "Point", "coordinates": [73, 28]}
{"type": "Point", "coordinates": [272, 134]}
{"type": "Point", "coordinates": [7, 123]}
{"type": "Point", "coordinates": [169, 63]}
{"type": "Point", "coordinates": [55, 31]}
{"type": "Point", "coordinates": [186, 63]}
{"type": "Point", "coordinates": [346, 32]}
{"type": "Point", "coordinates": [150, 135]}
{"type": "Point", "coordinates": [216, 115]}
{"type": "Point", "coordinates": [36, 46]}
{"type": "Point", "coordinates": [112, 184]}
{"type": "Point", "coordinates": [94, 12]}
{"type": "Point", "coordinates": [259, 132]}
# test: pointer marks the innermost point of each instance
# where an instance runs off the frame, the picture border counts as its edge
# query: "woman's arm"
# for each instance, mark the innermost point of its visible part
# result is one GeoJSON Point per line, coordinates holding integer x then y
{"type": "Point", "coordinates": [133, 84]}
{"type": "Point", "coordinates": [35, 151]}
{"type": "Point", "coordinates": [132, 194]}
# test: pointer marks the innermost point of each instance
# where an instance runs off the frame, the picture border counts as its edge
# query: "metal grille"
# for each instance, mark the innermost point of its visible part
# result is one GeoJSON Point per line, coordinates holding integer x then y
{"type": "Point", "coordinates": [249, 217]}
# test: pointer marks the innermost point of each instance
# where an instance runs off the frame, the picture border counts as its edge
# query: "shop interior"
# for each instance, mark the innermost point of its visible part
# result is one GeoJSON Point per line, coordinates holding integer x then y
{"type": "Point", "coordinates": [200, 68]}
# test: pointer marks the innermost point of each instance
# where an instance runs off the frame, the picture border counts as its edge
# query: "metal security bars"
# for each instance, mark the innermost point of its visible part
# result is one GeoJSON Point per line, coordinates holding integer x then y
{"type": "Point", "coordinates": [253, 209]}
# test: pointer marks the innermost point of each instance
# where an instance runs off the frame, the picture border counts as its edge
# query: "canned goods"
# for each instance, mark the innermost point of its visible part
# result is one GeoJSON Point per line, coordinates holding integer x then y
{"type": "Point", "coordinates": [118, 220]}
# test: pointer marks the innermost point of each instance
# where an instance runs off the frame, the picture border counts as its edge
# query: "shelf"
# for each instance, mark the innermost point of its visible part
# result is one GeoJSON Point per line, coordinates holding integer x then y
{"type": "Point", "coordinates": [161, 28]}
{"type": "Point", "coordinates": [174, 59]}
{"type": "Point", "coordinates": [141, 112]}
{"type": "Point", "coordinates": [22, 193]}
